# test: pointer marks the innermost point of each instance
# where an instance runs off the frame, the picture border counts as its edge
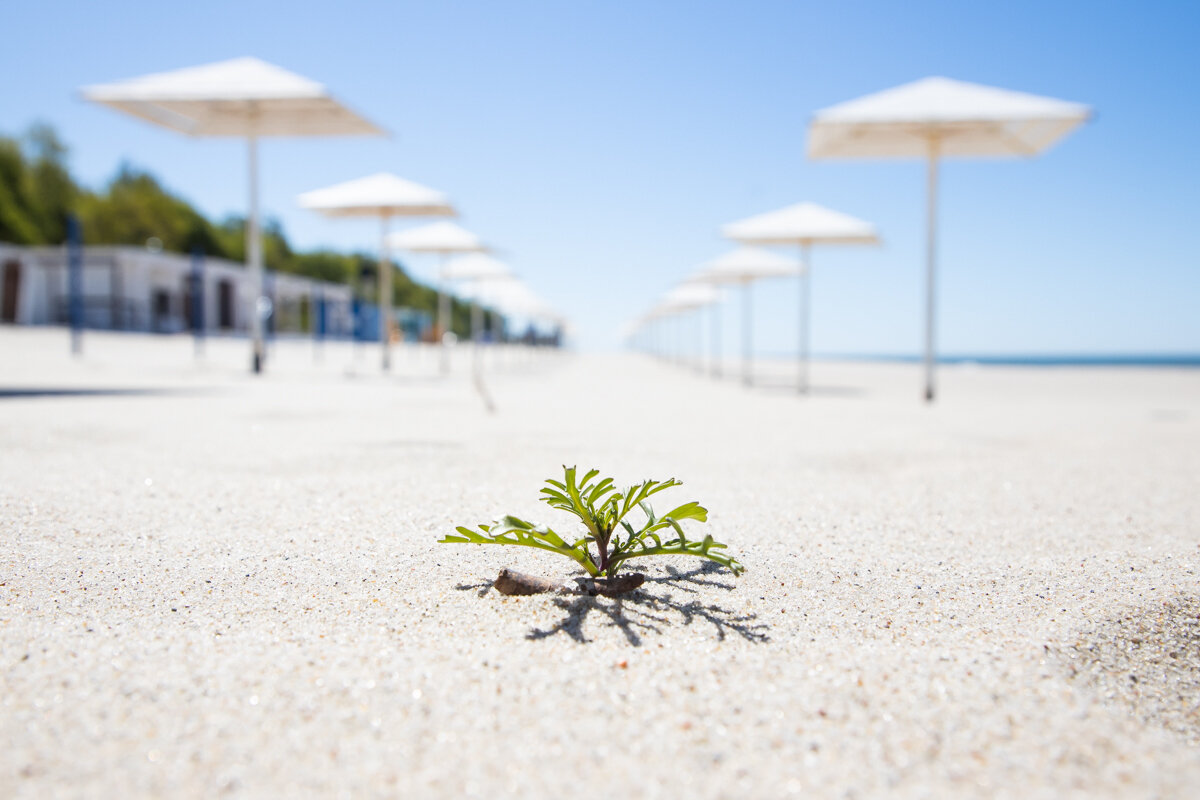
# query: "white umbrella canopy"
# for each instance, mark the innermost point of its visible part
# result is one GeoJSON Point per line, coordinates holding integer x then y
{"type": "Point", "coordinates": [967, 119]}
{"type": "Point", "coordinates": [803, 224]}
{"type": "Point", "coordinates": [437, 237]}
{"type": "Point", "coordinates": [382, 195]}
{"type": "Point", "coordinates": [512, 296]}
{"type": "Point", "coordinates": [475, 267]}
{"type": "Point", "coordinates": [746, 264]}
{"type": "Point", "coordinates": [799, 224]}
{"type": "Point", "coordinates": [444, 238]}
{"type": "Point", "coordinates": [242, 97]}
{"type": "Point", "coordinates": [934, 118]}
{"type": "Point", "coordinates": [687, 296]}
{"type": "Point", "coordinates": [233, 98]}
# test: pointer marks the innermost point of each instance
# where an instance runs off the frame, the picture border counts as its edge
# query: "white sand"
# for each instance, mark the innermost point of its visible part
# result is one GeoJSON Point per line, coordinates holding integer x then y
{"type": "Point", "coordinates": [234, 587]}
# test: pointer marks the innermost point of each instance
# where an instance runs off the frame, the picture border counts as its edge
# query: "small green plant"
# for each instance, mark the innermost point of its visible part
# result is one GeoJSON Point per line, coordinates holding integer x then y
{"type": "Point", "coordinates": [603, 510]}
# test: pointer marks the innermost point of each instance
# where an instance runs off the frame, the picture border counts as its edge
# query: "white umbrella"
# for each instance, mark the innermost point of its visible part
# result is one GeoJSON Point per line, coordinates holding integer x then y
{"type": "Point", "coordinates": [743, 266]}
{"type": "Point", "coordinates": [477, 268]}
{"type": "Point", "coordinates": [688, 296]}
{"type": "Point", "coordinates": [242, 97]}
{"type": "Point", "coordinates": [512, 296]}
{"type": "Point", "coordinates": [938, 117]}
{"type": "Point", "coordinates": [444, 238]}
{"type": "Point", "coordinates": [803, 224]}
{"type": "Point", "coordinates": [385, 196]}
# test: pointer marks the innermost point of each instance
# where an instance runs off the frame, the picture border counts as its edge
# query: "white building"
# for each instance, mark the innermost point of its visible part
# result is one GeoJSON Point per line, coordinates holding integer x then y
{"type": "Point", "coordinates": [132, 289]}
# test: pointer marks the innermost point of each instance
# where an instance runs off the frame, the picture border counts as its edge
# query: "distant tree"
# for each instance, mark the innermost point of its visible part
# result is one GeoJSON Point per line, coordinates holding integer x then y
{"type": "Point", "coordinates": [135, 208]}
{"type": "Point", "coordinates": [52, 192]}
{"type": "Point", "coordinates": [18, 223]}
{"type": "Point", "coordinates": [326, 265]}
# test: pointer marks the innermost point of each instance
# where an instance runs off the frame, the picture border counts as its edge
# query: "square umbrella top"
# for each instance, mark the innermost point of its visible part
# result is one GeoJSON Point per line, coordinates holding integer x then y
{"type": "Point", "coordinates": [965, 119]}
{"type": "Point", "coordinates": [238, 97]}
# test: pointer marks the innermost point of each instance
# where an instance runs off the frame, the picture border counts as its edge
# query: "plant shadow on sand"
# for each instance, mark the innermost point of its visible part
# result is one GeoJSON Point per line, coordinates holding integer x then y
{"type": "Point", "coordinates": [647, 611]}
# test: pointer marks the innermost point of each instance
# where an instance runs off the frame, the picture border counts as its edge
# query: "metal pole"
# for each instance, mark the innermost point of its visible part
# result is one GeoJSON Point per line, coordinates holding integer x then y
{"type": "Point", "coordinates": [930, 268]}
{"type": "Point", "coordinates": [75, 284]}
{"type": "Point", "coordinates": [254, 262]}
{"type": "Point", "coordinates": [497, 339]}
{"type": "Point", "coordinates": [746, 331]}
{"type": "Point", "coordinates": [198, 321]}
{"type": "Point", "coordinates": [476, 333]}
{"type": "Point", "coordinates": [318, 323]}
{"type": "Point", "coordinates": [805, 306]}
{"type": "Point", "coordinates": [681, 338]}
{"type": "Point", "coordinates": [443, 316]}
{"type": "Point", "coordinates": [385, 294]}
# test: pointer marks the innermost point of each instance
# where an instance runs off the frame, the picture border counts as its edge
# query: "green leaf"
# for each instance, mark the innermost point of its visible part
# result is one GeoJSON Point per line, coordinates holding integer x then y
{"type": "Point", "coordinates": [704, 549]}
{"type": "Point", "coordinates": [692, 510]}
{"type": "Point", "coordinates": [514, 531]}
{"type": "Point", "coordinates": [604, 487]}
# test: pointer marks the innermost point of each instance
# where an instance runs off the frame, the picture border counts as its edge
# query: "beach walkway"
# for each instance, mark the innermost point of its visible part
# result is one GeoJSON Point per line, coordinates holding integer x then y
{"type": "Point", "coordinates": [212, 583]}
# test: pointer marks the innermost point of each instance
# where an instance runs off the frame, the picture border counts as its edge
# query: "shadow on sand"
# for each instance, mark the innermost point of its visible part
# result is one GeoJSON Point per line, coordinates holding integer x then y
{"type": "Point", "coordinates": [787, 386]}
{"type": "Point", "coordinates": [37, 392]}
{"type": "Point", "coordinates": [651, 610]}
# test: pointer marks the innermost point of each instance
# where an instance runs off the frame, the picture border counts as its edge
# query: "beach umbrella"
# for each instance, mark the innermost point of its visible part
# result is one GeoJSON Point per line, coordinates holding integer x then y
{"type": "Point", "coordinates": [445, 239]}
{"type": "Point", "coordinates": [715, 331]}
{"type": "Point", "coordinates": [242, 97]}
{"type": "Point", "coordinates": [512, 296]}
{"type": "Point", "coordinates": [743, 266]}
{"type": "Point", "coordinates": [476, 268]}
{"type": "Point", "coordinates": [688, 296]}
{"type": "Point", "coordinates": [381, 195]}
{"type": "Point", "coordinates": [936, 118]}
{"type": "Point", "coordinates": [803, 224]}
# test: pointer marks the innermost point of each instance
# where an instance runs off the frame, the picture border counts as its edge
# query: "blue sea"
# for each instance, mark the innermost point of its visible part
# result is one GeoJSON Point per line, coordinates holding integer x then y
{"type": "Point", "coordinates": [1189, 360]}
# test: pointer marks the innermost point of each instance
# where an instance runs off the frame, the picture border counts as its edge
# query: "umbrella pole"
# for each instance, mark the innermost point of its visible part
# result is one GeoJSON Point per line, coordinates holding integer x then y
{"type": "Point", "coordinates": [805, 307]}
{"type": "Point", "coordinates": [746, 326]}
{"type": "Point", "coordinates": [716, 339]}
{"type": "Point", "coordinates": [254, 257]}
{"type": "Point", "coordinates": [682, 327]}
{"type": "Point", "coordinates": [443, 317]}
{"type": "Point", "coordinates": [476, 334]}
{"type": "Point", "coordinates": [930, 266]}
{"type": "Point", "coordinates": [385, 295]}
{"type": "Point", "coordinates": [681, 337]}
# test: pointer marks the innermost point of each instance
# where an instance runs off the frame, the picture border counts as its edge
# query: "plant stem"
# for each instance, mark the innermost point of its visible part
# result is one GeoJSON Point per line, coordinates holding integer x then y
{"type": "Point", "coordinates": [602, 546]}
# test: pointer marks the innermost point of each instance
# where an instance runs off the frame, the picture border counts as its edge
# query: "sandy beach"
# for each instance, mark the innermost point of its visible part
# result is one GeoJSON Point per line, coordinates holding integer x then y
{"type": "Point", "coordinates": [212, 584]}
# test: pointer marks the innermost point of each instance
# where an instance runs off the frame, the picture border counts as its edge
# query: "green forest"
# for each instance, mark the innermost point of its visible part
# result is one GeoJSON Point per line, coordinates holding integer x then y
{"type": "Point", "coordinates": [37, 193]}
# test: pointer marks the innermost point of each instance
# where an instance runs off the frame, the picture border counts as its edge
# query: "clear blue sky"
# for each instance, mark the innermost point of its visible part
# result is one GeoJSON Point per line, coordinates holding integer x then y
{"type": "Point", "coordinates": [602, 144]}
